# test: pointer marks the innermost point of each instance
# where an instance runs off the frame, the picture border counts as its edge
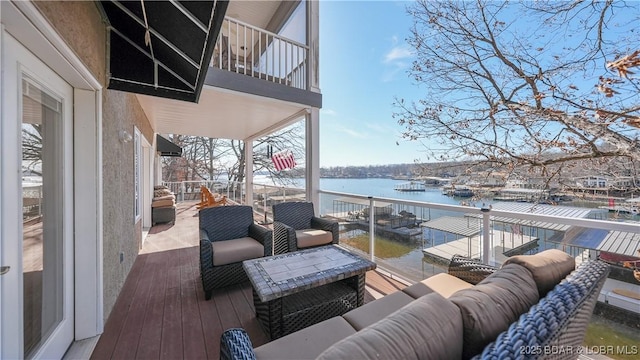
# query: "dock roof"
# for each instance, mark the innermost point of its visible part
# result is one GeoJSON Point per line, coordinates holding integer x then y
{"type": "Point", "coordinates": [455, 225]}
{"type": "Point", "coordinates": [619, 242]}
{"type": "Point", "coordinates": [538, 209]}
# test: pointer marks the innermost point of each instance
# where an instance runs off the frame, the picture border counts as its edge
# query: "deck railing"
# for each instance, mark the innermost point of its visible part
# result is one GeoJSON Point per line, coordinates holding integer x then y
{"type": "Point", "coordinates": [410, 239]}
{"type": "Point", "coordinates": [248, 50]}
{"type": "Point", "coordinates": [415, 239]}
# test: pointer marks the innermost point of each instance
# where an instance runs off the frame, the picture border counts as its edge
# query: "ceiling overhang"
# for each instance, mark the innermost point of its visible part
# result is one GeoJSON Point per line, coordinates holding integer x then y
{"type": "Point", "coordinates": [162, 48]}
{"type": "Point", "coordinates": [221, 114]}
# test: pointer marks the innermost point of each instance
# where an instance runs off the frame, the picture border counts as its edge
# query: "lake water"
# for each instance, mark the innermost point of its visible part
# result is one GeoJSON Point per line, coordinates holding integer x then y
{"type": "Point", "coordinates": [404, 257]}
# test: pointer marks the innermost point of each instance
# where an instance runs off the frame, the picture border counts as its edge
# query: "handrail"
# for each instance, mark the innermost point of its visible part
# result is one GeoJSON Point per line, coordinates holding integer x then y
{"type": "Point", "coordinates": [279, 59]}
{"type": "Point", "coordinates": [588, 223]}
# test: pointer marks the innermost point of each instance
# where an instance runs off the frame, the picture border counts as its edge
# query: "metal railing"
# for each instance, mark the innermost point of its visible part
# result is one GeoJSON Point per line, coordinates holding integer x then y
{"type": "Point", "coordinates": [248, 50]}
{"type": "Point", "coordinates": [190, 190]}
{"type": "Point", "coordinates": [400, 235]}
{"type": "Point", "coordinates": [415, 239]}
{"type": "Point", "coordinates": [265, 196]}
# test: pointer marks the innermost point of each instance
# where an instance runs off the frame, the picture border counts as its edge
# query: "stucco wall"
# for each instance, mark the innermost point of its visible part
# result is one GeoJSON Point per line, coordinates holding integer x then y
{"type": "Point", "coordinates": [81, 25]}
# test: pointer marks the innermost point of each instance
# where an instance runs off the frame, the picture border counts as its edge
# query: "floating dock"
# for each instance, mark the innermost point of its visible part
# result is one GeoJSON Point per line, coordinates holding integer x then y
{"type": "Point", "coordinates": [411, 186]}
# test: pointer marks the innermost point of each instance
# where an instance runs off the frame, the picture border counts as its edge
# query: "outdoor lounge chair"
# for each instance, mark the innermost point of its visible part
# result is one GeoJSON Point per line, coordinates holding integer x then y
{"type": "Point", "coordinates": [228, 236]}
{"type": "Point", "coordinates": [295, 226]}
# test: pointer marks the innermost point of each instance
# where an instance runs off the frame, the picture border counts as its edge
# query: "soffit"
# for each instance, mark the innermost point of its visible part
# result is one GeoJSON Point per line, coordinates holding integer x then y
{"type": "Point", "coordinates": [219, 114]}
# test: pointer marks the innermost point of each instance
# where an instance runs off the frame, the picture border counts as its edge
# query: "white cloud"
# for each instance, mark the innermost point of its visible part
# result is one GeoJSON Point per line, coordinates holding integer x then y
{"type": "Point", "coordinates": [397, 53]}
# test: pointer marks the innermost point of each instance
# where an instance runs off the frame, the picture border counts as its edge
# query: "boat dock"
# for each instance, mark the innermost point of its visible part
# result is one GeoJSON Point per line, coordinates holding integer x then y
{"type": "Point", "coordinates": [410, 186]}
{"type": "Point", "coordinates": [468, 238]}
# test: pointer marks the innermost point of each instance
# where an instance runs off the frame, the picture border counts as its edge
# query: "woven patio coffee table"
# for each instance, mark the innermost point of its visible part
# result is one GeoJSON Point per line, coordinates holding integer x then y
{"type": "Point", "coordinates": [294, 290]}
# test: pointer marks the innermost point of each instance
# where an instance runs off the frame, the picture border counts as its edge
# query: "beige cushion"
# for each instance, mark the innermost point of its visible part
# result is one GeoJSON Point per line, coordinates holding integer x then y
{"type": "Point", "coordinates": [232, 251]}
{"type": "Point", "coordinates": [307, 343]}
{"type": "Point", "coordinates": [162, 192]}
{"type": "Point", "coordinates": [312, 237]}
{"type": "Point", "coordinates": [443, 284]}
{"type": "Point", "coordinates": [374, 311]}
{"type": "Point", "coordinates": [493, 304]}
{"type": "Point", "coordinates": [548, 267]}
{"type": "Point", "coordinates": [428, 328]}
{"type": "Point", "coordinates": [163, 203]}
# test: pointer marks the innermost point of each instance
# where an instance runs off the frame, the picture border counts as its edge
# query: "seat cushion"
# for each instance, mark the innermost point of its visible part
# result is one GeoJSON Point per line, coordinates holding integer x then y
{"type": "Point", "coordinates": [428, 328]}
{"type": "Point", "coordinates": [236, 250]}
{"type": "Point", "coordinates": [443, 284]}
{"type": "Point", "coordinates": [307, 343]}
{"type": "Point", "coordinates": [312, 237]}
{"type": "Point", "coordinates": [492, 305]}
{"type": "Point", "coordinates": [162, 203]}
{"type": "Point", "coordinates": [376, 310]}
{"type": "Point", "coordinates": [547, 267]}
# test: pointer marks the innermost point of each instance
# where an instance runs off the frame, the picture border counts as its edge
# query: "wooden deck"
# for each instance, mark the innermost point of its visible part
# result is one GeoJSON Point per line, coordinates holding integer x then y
{"type": "Point", "coordinates": [161, 312]}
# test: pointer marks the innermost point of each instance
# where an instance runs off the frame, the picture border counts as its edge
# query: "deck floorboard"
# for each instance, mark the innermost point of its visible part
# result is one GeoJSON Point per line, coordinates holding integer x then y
{"type": "Point", "coordinates": [161, 312]}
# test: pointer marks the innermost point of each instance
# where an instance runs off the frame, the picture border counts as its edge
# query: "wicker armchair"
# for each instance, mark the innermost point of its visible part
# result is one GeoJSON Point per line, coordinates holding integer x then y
{"type": "Point", "coordinates": [228, 236]}
{"type": "Point", "coordinates": [295, 226]}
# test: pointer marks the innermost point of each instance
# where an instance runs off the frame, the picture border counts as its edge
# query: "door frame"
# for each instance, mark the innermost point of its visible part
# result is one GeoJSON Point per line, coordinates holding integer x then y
{"type": "Point", "coordinates": [24, 21]}
{"type": "Point", "coordinates": [45, 78]}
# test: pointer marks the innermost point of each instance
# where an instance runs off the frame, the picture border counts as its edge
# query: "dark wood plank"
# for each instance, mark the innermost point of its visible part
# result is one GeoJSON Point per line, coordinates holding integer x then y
{"type": "Point", "coordinates": [171, 345]}
{"type": "Point", "coordinates": [107, 343]}
{"type": "Point", "coordinates": [151, 336]}
{"type": "Point", "coordinates": [193, 334]}
{"type": "Point", "coordinates": [247, 315]}
{"type": "Point", "coordinates": [226, 312]}
{"type": "Point", "coordinates": [130, 333]}
{"type": "Point", "coordinates": [211, 325]}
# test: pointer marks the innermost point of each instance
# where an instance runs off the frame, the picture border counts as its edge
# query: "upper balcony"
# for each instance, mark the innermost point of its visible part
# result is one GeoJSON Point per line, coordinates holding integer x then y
{"type": "Point", "coordinates": [245, 49]}
{"type": "Point", "coordinates": [263, 75]}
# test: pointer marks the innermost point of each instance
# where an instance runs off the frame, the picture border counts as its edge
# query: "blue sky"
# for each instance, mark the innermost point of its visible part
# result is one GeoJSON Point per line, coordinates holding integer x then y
{"type": "Point", "coordinates": [364, 60]}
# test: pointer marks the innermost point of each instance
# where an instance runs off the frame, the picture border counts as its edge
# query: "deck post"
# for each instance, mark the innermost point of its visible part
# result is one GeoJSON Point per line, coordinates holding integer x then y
{"type": "Point", "coordinates": [372, 227]}
{"type": "Point", "coordinates": [486, 235]}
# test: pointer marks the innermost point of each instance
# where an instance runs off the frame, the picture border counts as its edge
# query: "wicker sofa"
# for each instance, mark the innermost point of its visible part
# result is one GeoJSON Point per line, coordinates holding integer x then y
{"type": "Point", "coordinates": [534, 306]}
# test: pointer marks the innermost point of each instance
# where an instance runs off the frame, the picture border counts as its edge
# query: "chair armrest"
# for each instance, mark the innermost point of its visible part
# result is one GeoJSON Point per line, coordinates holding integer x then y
{"type": "Point", "coordinates": [470, 270]}
{"type": "Point", "coordinates": [327, 225]}
{"type": "Point", "coordinates": [264, 236]}
{"type": "Point", "coordinates": [284, 238]}
{"type": "Point", "coordinates": [204, 235]}
{"type": "Point", "coordinates": [206, 255]}
{"type": "Point", "coordinates": [235, 344]}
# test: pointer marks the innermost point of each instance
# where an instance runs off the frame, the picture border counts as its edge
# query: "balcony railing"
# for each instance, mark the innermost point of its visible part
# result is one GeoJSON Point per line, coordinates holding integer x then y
{"type": "Point", "coordinates": [248, 50]}
{"type": "Point", "coordinates": [410, 238]}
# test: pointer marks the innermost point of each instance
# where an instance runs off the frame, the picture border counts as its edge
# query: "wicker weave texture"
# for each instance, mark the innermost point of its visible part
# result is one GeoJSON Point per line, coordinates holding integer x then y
{"type": "Point", "coordinates": [236, 344]}
{"type": "Point", "coordinates": [291, 313]}
{"type": "Point", "coordinates": [221, 224]}
{"type": "Point", "coordinates": [554, 328]}
{"type": "Point", "coordinates": [470, 270]}
{"type": "Point", "coordinates": [298, 215]}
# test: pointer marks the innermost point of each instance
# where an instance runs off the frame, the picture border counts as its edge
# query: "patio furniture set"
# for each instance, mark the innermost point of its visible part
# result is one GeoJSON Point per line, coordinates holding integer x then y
{"type": "Point", "coordinates": [309, 279]}
{"type": "Point", "coordinates": [309, 298]}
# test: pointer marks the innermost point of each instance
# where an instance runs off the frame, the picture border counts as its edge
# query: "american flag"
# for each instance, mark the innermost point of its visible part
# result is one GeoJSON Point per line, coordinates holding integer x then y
{"type": "Point", "coordinates": [283, 160]}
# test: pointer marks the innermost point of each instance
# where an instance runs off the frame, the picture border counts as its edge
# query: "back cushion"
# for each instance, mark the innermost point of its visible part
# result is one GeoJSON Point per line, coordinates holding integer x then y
{"type": "Point", "coordinates": [491, 306]}
{"type": "Point", "coordinates": [547, 267]}
{"type": "Point", "coordinates": [427, 328]}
